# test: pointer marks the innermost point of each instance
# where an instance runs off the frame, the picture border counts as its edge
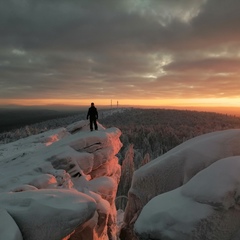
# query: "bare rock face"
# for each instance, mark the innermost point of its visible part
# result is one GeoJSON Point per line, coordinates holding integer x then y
{"type": "Point", "coordinates": [62, 184]}
{"type": "Point", "coordinates": [174, 169]}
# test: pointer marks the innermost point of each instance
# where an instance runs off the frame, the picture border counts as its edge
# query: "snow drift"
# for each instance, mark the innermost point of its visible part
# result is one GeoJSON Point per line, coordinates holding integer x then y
{"type": "Point", "coordinates": [60, 184]}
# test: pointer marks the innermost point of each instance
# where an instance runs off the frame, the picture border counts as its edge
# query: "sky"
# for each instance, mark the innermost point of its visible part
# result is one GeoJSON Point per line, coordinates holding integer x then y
{"type": "Point", "coordinates": [134, 52]}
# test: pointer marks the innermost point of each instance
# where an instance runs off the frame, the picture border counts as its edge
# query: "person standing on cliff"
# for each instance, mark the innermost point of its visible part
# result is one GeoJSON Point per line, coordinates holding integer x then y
{"type": "Point", "coordinates": [93, 116]}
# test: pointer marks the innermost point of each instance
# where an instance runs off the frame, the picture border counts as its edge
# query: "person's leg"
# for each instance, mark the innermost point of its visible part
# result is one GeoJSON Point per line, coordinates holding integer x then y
{"type": "Point", "coordinates": [95, 124]}
{"type": "Point", "coordinates": [91, 124]}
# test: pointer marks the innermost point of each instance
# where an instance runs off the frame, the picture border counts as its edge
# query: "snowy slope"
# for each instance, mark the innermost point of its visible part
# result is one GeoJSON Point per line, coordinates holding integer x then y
{"type": "Point", "coordinates": [60, 184]}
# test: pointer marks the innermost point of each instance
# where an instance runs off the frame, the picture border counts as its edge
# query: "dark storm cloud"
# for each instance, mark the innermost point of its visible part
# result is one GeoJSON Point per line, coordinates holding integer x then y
{"type": "Point", "coordinates": [82, 25]}
{"type": "Point", "coordinates": [218, 22]}
{"type": "Point", "coordinates": [127, 48]}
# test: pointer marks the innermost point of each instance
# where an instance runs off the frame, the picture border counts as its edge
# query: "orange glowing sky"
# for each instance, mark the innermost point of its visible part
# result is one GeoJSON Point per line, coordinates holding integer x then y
{"type": "Point", "coordinates": [224, 105]}
{"type": "Point", "coordinates": [183, 54]}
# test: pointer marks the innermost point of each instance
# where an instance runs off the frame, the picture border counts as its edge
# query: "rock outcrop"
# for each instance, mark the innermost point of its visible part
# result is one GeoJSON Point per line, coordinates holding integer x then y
{"type": "Point", "coordinates": [206, 207]}
{"type": "Point", "coordinates": [61, 184]}
{"type": "Point", "coordinates": [174, 169]}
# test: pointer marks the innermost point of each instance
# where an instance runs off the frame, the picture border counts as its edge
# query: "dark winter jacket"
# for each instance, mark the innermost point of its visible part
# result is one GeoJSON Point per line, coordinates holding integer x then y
{"type": "Point", "coordinates": [92, 113]}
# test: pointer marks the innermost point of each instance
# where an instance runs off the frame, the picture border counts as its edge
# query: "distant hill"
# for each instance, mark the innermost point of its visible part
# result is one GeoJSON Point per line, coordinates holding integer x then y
{"type": "Point", "coordinates": [15, 118]}
{"type": "Point", "coordinates": [156, 131]}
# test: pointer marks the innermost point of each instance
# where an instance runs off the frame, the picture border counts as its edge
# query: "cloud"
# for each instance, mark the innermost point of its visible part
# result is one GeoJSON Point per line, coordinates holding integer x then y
{"type": "Point", "coordinates": [209, 65]}
{"type": "Point", "coordinates": [123, 49]}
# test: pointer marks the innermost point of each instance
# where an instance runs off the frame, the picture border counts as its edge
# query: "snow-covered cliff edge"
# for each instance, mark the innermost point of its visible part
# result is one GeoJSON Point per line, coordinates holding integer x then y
{"type": "Point", "coordinates": [60, 184]}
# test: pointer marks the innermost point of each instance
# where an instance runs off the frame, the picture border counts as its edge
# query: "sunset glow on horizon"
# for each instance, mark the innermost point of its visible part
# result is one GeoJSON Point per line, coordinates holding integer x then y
{"type": "Point", "coordinates": [207, 102]}
{"type": "Point", "coordinates": [183, 54]}
{"type": "Point", "coordinates": [223, 105]}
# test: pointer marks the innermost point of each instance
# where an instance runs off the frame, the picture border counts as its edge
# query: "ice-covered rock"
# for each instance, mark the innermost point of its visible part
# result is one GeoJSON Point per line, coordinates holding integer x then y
{"type": "Point", "coordinates": [207, 207]}
{"type": "Point", "coordinates": [176, 168]}
{"type": "Point", "coordinates": [81, 126]}
{"type": "Point", "coordinates": [48, 214]}
{"type": "Point", "coordinates": [65, 179]}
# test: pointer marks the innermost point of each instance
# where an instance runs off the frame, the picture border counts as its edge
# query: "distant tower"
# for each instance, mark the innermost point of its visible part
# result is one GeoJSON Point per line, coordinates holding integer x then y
{"type": "Point", "coordinates": [117, 104]}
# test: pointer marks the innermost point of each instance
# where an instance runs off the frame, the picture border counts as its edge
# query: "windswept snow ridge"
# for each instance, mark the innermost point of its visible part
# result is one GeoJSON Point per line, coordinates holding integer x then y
{"type": "Point", "coordinates": [60, 184]}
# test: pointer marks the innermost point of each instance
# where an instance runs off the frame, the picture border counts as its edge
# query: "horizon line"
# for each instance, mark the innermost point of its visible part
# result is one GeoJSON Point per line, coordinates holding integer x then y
{"type": "Point", "coordinates": [233, 110]}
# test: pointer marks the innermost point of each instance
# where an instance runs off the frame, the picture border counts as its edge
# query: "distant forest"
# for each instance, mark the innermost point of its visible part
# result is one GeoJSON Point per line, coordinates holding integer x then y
{"type": "Point", "coordinates": [151, 131]}
{"type": "Point", "coordinates": [156, 131]}
{"type": "Point", "coordinates": [146, 133]}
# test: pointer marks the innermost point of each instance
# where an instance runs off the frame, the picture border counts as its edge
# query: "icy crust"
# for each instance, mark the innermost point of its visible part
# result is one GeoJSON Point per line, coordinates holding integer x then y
{"type": "Point", "coordinates": [207, 207]}
{"type": "Point", "coordinates": [176, 168]}
{"type": "Point", "coordinates": [61, 184]}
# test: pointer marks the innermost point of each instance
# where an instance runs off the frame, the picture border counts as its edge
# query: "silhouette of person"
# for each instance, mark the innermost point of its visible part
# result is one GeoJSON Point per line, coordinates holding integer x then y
{"type": "Point", "coordinates": [93, 116]}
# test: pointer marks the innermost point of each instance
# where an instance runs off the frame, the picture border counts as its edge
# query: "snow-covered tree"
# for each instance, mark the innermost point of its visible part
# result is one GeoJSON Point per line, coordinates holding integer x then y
{"type": "Point", "coordinates": [146, 159]}
{"type": "Point", "coordinates": [127, 172]}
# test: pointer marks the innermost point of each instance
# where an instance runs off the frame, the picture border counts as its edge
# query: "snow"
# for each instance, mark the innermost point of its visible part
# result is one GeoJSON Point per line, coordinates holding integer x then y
{"type": "Point", "coordinates": [8, 228]}
{"type": "Point", "coordinates": [184, 193]}
{"type": "Point", "coordinates": [210, 200]}
{"type": "Point", "coordinates": [170, 216]}
{"type": "Point", "coordinates": [27, 145]}
{"type": "Point", "coordinates": [223, 177]}
{"type": "Point", "coordinates": [60, 184]}
{"type": "Point", "coordinates": [48, 214]}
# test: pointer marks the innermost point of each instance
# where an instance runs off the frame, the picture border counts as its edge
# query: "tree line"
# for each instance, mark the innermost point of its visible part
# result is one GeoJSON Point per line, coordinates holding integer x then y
{"type": "Point", "coordinates": [149, 133]}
